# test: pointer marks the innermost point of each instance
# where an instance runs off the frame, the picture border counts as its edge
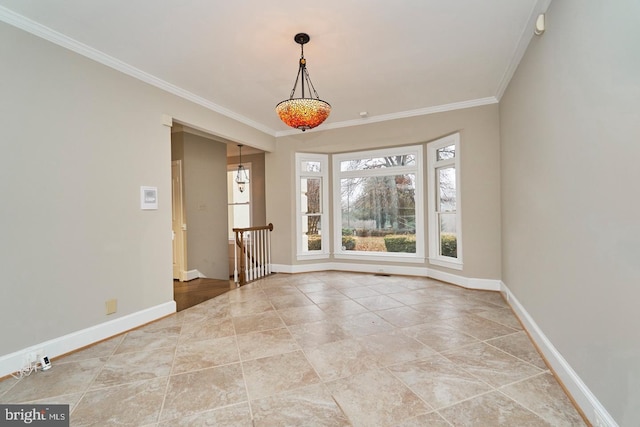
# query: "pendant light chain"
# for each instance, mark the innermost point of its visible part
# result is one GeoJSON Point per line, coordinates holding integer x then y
{"type": "Point", "coordinates": [306, 73]}
{"type": "Point", "coordinates": [303, 67]}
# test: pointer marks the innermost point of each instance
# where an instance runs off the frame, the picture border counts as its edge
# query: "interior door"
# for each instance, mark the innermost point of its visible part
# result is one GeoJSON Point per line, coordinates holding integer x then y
{"type": "Point", "coordinates": [178, 225]}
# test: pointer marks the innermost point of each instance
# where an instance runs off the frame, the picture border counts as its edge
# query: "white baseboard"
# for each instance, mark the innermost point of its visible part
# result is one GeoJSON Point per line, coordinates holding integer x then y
{"type": "Point", "coordinates": [354, 267]}
{"type": "Point", "coordinates": [584, 398]}
{"type": "Point", "coordinates": [469, 283]}
{"type": "Point", "coordinates": [13, 362]}
{"type": "Point", "coordinates": [193, 274]}
{"type": "Point", "coordinates": [465, 282]}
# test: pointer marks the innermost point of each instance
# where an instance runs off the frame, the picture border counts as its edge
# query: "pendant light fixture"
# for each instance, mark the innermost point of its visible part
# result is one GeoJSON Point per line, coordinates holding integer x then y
{"type": "Point", "coordinates": [305, 112]}
{"type": "Point", "coordinates": [241, 175]}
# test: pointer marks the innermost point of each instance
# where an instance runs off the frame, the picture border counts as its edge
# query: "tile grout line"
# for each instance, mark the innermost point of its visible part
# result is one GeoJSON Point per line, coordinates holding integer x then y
{"type": "Point", "coordinates": [323, 383]}
{"type": "Point", "coordinates": [301, 348]}
{"type": "Point", "coordinates": [95, 377]}
{"type": "Point", "coordinates": [522, 404]}
{"type": "Point", "coordinates": [173, 364]}
{"type": "Point", "coordinates": [244, 378]}
{"type": "Point", "coordinates": [516, 357]}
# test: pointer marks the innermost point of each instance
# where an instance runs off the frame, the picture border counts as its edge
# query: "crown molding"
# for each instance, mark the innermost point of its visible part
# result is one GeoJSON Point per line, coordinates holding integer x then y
{"type": "Point", "coordinates": [39, 30]}
{"type": "Point", "coordinates": [400, 115]}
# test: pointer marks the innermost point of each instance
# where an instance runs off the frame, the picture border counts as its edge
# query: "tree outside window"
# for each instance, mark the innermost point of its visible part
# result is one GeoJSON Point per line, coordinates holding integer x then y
{"type": "Point", "coordinates": [377, 201]}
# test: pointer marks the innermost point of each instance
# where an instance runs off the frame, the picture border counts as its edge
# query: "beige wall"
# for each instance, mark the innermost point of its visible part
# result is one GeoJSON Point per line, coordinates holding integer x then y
{"type": "Point", "coordinates": [79, 139]}
{"type": "Point", "coordinates": [480, 177]}
{"type": "Point", "coordinates": [205, 196]}
{"type": "Point", "coordinates": [570, 127]}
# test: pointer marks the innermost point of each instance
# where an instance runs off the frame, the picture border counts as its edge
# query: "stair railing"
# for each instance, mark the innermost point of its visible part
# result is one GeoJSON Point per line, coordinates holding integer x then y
{"type": "Point", "coordinates": [252, 254]}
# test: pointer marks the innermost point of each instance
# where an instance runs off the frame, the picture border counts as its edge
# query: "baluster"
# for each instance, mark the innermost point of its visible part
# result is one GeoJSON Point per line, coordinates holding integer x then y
{"type": "Point", "coordinates": [264, 256]}
{"type": "Point", "coordinates": [262, 271]}
{"type": "Point", "coordinates": [255, 254]}
{"type": "Point", "coordinates": [249, 255]}
{"type": "Point", "coordinates": [235, 260]}
{"type": "Point", "coordinates": [259, 253]}
{"type": "Point", "coordinates": [246, 260]}
{"type": "Point", "coordinates": [269, 251]}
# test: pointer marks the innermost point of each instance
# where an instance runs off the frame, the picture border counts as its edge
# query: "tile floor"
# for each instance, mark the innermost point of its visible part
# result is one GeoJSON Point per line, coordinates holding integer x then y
{"type": "Point", "coordinates": [316, 349]}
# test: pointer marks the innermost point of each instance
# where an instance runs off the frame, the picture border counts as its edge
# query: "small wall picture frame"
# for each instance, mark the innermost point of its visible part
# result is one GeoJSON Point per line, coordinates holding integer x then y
{"type": "Point", "coordinates": [148, 198]}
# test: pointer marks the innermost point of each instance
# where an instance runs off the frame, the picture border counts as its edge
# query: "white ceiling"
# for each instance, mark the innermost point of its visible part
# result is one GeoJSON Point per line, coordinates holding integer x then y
{"type": "Point", "coordinates": [388, 58]}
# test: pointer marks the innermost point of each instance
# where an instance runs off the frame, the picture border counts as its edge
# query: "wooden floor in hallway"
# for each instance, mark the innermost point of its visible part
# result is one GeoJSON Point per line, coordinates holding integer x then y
{"type": "Point", "coordinates": [193, 292]}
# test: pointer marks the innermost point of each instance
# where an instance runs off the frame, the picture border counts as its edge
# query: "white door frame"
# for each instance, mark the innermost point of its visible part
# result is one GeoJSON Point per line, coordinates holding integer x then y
{"type": "Point", "coordinates": [178, 224]}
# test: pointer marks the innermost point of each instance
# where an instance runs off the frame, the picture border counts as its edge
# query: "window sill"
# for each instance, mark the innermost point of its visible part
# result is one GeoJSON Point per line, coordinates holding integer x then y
{"type": "Point", "coordinates": [378, 256]}
{"type": "Point", "coordinates": [305, 256]}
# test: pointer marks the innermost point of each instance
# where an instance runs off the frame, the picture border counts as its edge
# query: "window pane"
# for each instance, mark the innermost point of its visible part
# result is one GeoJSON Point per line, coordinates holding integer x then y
{"type": "Point", "coordinates": [448, 235]}
{"type": "Point", "coordinates": [239, 217]}
{"type": "Point", "coordinates": [378, 162]}
{"type": "Point", "coordinates": [445, 234]}
{"type": "Point", "coordinates": [239, 210]}
{"type": "Point", "coordinates": [446, 189]}
{"type": "Point", "coordinates": [446, 153]}
{"type": "Point", "coordinates": [310, 166]}
{"type": "Point", "coordinates": [311, 233]}
{"type": "Point", "coordinates": [310, 195]}
{"type": "Point", "coordinates": [378, 213]}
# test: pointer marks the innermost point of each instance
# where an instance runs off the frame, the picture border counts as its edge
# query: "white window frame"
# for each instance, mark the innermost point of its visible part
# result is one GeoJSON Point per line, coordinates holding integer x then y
{"type": "Point", "coordinates": [302, 252]}
{"type": "Point", "coordinates": [434, 235]}
{"type": "Point", "coordinates": [417, 169]}
{"type": "Point", "coordinates": [234, 168]}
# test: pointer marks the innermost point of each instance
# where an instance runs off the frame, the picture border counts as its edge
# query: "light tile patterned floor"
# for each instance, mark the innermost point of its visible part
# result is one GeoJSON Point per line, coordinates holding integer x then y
{"type": "Point", "coordinates": [316, 349]}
